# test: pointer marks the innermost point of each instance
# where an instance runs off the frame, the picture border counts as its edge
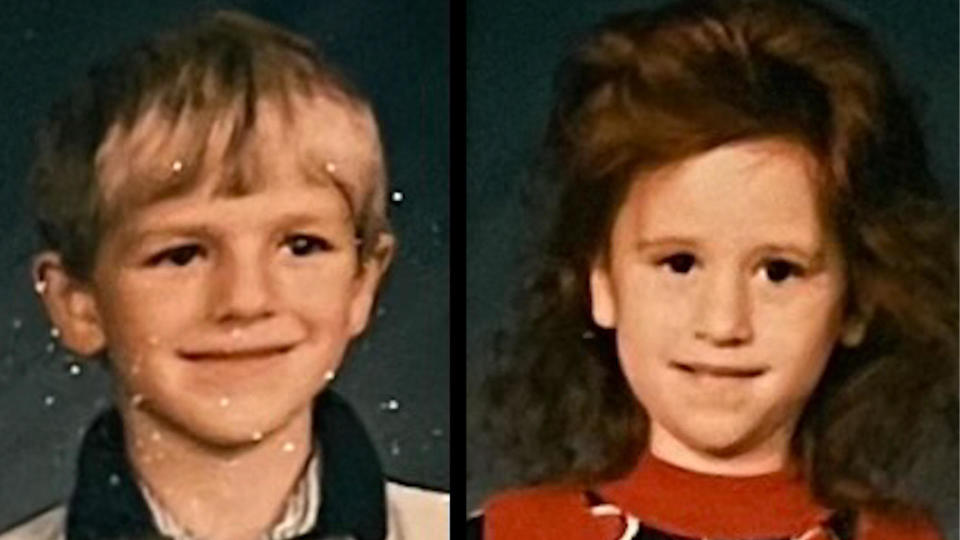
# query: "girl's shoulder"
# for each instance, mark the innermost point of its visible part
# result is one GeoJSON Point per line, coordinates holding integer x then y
{"type": "Point", "coordinates": [903, 526]}
{"type": "Point", "coordinates": [546, 512]}
{"type": "Point", "coordinates": [550, 512]}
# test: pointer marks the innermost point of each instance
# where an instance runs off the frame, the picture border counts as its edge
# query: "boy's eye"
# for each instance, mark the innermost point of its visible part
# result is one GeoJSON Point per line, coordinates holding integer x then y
{"type": "Point", "coordinates": [678, 263]}
{"type": "Point", "coordinates": [178, 256]}
{"type": "Point", "coordinates": [302, 245]}
{"type": "Point", "coordinates": [779, 270]}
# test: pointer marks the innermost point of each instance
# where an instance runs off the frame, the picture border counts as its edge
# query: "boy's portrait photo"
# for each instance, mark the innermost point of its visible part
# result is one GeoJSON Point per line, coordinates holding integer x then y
{"type": "Point", "coordinates": [712, 287]}
{"type": "Point", "coordinates": [235, 244]}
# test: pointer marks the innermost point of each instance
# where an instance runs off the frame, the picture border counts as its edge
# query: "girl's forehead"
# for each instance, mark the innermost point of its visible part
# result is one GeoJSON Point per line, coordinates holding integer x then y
{"type": "Point", "coordinates": [233, 150]}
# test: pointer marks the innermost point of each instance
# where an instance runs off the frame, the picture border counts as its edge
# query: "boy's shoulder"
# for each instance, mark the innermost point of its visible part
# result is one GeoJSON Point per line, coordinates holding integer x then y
{"type": "Point", "coordinates": [416, 513]}
{"type": "Point", "coordinates": [413, 512]}
{"type": "Point", "coordinates": [49, 524]}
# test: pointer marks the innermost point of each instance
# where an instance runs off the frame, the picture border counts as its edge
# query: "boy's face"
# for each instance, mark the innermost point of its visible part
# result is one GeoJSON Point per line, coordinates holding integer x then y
{"type": "Point", "coordinates": [727, 295]}
{"type": "Point", "coordinates": [224, 316]}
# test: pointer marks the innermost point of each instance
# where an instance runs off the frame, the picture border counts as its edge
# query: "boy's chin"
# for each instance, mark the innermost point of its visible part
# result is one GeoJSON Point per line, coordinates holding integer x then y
{"type": "Point", "coordinates": [228, 428]}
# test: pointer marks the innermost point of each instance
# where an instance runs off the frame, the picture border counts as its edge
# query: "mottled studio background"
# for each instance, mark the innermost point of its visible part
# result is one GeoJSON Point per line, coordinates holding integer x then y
{"type": "Point", "coordinates": [398, 376]}
{"type": "Point", "coordinates": [512, 49]}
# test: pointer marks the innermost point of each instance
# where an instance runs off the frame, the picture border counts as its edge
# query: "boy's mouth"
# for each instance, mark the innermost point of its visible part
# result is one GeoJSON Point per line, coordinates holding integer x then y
{"type": "Point", "coordinates": [714, 370]}
{"type": "Point", "coordinates": [246, 353]}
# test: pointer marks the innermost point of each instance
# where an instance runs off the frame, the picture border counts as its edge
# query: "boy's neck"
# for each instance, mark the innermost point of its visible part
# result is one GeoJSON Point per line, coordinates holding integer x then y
{"type": "Point", "coordinates": [213, 492]}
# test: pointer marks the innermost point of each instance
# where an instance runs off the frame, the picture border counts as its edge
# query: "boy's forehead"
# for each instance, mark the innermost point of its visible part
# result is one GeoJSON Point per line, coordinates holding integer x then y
{"type": "Point", "coordinates": [321, 138]}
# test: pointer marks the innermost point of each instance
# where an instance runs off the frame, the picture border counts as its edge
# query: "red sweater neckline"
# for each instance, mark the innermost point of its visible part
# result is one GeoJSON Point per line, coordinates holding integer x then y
{"type": "Point", "coordinates": [680, 501]}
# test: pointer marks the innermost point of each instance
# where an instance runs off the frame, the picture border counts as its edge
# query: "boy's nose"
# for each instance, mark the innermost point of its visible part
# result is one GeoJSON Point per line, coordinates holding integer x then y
{"type": "Point", "coordinates": [243, 292]}
{"type": "Point", "coordinates": [723, 312]}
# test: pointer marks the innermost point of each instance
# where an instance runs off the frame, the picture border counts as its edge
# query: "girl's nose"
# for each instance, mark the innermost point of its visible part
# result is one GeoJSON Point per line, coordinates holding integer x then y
{"type": "Point", "coordinates": [724, 310]}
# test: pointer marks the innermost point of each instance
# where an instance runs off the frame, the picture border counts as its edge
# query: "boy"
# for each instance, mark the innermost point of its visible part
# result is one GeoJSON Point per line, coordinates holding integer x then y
{"type": "Point", "coordinates": [213, 206]}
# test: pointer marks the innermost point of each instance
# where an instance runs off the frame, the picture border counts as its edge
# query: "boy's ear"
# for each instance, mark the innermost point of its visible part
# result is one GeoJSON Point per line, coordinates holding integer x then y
{"type": "Point", "coordinates": [70, 305]}
{"type": "Point", "coordinates": [602, 302]}
{"type": "Point", "coordinates": [372, 269]}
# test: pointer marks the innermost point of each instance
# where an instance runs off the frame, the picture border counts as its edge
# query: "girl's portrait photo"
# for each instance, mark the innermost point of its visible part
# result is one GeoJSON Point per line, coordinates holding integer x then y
{"type": "Point", "coordinates": [730, 306]}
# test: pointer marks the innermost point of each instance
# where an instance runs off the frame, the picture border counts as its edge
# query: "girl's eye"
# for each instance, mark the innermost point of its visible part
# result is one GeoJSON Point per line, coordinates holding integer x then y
{"type": "Point", "coordinates": [302, 245]}
{"type": "Point", "coordinates": [679, 263]}
{"type": "Point", "coordinates": [177, 256]}
{"type": "Point", "coordinates": [780, 270]}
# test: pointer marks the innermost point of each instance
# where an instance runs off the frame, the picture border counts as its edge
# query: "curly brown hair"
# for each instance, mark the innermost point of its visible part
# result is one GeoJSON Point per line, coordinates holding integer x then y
{"type": "Point", "coordinates": [649, 88]}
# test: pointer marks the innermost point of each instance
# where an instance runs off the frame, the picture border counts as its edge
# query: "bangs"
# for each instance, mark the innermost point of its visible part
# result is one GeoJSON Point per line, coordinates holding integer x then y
{"type": "Point", "coordinates": [227, 147]}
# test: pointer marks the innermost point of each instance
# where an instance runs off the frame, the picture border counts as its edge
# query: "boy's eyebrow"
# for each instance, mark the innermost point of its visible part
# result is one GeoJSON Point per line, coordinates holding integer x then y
{"type": "Point", "coordinates": [328, 176]}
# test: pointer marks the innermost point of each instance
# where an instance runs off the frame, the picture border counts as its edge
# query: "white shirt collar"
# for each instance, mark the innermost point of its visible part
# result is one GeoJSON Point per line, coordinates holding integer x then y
{"type": "Point", "coordinates": [299, 514]}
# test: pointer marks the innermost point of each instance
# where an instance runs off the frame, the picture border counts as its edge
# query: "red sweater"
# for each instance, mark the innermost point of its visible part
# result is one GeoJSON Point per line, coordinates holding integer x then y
{"type": "Point", "coordinates": [681, 502]}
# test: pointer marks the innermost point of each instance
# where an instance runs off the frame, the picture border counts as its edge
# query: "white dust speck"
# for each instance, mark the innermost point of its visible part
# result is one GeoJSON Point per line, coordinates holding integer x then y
{"type": "Point", "coordinates": [136, 400]}
{"type": "Point", "coordinates": [16, 324]}
{"type": "Point", "coordinates": [256, 435]}
{"type": "Point", "coordinates": [394, 447]}
{"type": "Point", "coordinates": [49, 400]}
{"type": "Point", "coordinates": [396, 196]}
{"type": "Point", "coordinates": [288, 446]}
{"type": "Point", "coordinates": [390, 405]}
{"type": "Point", "coordinates": [224, 402]}
{"type": "Point", "coordinates": [75, 369]}
{"type": "Point", "coordinates": [330, 375]}
{"type": "Point", "coordinates": [114, 480]}
{"type": "Point", "coordinates": [54, 332]}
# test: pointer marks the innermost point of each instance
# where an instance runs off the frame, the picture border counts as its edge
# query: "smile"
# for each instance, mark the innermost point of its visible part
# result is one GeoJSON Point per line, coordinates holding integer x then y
{"type": "Point", "coordinates": [713, 370]}
{"type": "Point", "coordinates": [226, 354]}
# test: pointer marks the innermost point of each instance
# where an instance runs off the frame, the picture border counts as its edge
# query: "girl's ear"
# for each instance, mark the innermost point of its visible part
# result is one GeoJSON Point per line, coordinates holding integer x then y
{"type": "Point", "coordinates": [70, 304]}
{"type": "Point", "coordinates": [855, 327]}
{"type": "Point", "coordinates": [602, 299]}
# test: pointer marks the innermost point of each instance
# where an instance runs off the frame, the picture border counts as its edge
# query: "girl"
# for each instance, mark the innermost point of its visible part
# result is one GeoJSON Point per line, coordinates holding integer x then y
{"type": "Point", "coordinates": [744, 325]}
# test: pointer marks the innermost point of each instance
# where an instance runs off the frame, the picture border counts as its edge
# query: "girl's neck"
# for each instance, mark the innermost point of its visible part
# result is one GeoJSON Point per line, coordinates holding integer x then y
{"type": "Point", "coordinates": [770, 454]}
{"type": "Point", "coordinates": [215, 492]}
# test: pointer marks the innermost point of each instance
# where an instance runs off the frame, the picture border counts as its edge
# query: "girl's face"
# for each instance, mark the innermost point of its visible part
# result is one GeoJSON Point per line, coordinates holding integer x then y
{"type": "Point", "coordinates": [727, 294]}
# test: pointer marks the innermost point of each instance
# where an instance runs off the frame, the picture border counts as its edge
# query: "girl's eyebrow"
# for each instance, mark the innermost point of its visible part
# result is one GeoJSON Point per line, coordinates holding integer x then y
{"type": "Point", "coordinates": [665, 241]}
{"type": "Point", "coordinates": [814, 254]}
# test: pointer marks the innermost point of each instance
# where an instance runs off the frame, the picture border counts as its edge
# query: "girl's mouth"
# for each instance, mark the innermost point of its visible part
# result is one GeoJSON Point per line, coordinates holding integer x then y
{"type": "Point", "coordinates": [717, 370]}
